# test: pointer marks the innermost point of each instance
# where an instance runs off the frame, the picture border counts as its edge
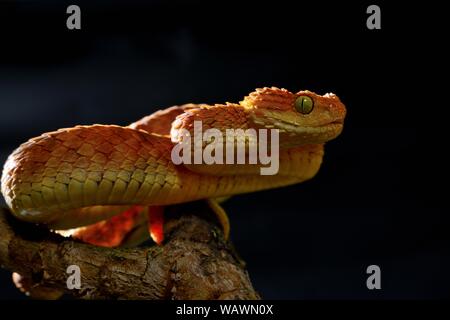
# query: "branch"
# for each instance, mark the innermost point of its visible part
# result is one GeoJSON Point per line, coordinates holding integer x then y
{"type": "Point", "coordinates": [194, 262]}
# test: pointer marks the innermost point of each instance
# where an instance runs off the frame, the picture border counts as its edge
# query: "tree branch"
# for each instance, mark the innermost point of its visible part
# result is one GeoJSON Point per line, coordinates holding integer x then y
{"type": "Point", "coordinates": [194, 263]}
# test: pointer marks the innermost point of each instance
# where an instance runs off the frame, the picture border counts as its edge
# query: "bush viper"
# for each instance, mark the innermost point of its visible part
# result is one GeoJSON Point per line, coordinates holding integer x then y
{"type": "Point", "coordinates": [79, 176]}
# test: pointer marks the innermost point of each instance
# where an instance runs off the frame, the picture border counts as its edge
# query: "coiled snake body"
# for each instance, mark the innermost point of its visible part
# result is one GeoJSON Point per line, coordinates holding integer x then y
{"type": "Point", "coordinates": [78, 176]}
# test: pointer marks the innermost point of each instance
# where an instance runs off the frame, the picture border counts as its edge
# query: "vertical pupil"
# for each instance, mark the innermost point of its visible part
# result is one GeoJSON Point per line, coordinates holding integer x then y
{"type": "Point", "coordinates": [304, 104]}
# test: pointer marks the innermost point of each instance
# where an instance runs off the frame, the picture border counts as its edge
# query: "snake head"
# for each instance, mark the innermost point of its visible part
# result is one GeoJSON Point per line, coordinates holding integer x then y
{"type": "Point", "coordinates": [301, 118]}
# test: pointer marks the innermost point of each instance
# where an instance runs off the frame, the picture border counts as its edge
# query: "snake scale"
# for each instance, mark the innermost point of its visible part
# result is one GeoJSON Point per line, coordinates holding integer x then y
{"type": "Point", "coordinates": [79, 176]}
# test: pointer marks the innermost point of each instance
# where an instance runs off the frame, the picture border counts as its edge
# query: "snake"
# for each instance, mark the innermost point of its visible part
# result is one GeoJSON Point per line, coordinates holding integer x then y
{"type": "Point", "coordinates": [106, 175]}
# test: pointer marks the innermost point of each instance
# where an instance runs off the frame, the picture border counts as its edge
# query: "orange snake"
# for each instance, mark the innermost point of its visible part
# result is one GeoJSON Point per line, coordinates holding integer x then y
{"type": "Point", "coordinates": [82, 175]}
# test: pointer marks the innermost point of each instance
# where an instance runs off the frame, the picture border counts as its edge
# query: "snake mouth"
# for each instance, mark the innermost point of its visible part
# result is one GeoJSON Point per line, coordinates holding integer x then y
{"type": "Point", "coordinates": [338, 121]}
{"type": "Point", "coordinates": [275, 121]}
{"type": "Point", "coordinates": [295, 129]}
{"type": "Point", "coordinates": [338, 124]}
{"type": "Point", "coordinates": [328, 131]}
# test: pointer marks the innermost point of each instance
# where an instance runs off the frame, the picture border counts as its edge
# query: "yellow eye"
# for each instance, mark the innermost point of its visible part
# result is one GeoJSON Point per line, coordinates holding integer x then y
{"type": "Point", "coordinates": [304, 104]}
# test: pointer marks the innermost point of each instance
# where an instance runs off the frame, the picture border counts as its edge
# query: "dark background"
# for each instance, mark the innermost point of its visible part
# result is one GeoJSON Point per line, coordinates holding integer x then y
{"type": "Point", "coordinates": [379, 197]}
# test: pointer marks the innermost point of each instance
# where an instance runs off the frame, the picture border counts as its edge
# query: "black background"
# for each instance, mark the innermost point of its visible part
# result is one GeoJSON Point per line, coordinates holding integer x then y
{"type": "Point", "coordinates": [380, 196]}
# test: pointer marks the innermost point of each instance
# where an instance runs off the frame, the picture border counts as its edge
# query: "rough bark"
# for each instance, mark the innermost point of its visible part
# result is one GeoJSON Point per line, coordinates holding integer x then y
{"type": "Point", "coordinates": [194, 263]}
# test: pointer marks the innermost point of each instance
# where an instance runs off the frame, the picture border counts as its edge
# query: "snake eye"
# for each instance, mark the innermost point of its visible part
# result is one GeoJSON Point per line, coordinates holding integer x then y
{"type": "Point", "coordinates": [304, 104]}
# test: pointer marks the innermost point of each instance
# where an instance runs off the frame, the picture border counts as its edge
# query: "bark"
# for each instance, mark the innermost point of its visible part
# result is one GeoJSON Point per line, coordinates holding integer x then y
{"type": "Point", "coordinates": [193, 263]}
